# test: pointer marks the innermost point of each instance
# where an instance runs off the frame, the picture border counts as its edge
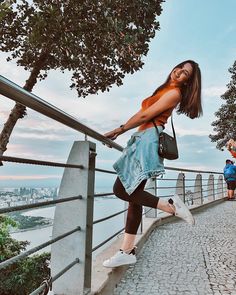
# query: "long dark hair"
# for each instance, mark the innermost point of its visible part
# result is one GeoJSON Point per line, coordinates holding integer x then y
{"type": "Point", "coordinates": [190, 103]}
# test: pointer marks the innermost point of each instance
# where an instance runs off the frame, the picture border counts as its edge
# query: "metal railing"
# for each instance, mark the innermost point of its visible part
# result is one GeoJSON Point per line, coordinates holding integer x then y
{"type": "Point", "coordinates": [18, 94]}
{"type": "Point", "coordinates": [72, 239]}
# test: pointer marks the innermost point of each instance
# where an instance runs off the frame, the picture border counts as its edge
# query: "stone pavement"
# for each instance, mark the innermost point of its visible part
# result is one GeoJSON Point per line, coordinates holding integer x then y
{"type": "Point", "coordinates": [181, 260]}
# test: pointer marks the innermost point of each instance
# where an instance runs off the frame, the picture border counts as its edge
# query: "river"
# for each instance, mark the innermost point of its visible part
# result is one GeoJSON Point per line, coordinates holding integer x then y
{"type": "Point", "coordinates": [101, 231]}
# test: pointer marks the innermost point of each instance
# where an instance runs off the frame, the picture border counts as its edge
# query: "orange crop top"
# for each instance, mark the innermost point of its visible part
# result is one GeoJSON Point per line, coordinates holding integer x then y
{"type": "Point", "coordinates": [162, 118]}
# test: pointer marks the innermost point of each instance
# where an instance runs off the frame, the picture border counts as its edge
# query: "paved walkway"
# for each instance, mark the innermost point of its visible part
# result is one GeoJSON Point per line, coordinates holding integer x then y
{"type": "Point", "coordinates": [182, 260]}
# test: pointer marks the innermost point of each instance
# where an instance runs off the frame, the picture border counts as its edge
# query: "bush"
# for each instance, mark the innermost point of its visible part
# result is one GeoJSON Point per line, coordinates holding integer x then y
{"type": "Point", "coordinates": [23, 277]}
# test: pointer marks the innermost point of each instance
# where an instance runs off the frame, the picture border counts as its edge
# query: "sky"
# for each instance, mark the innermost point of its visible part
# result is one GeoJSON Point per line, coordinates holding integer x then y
{"type": "Point", "coordinates": [202, 30]}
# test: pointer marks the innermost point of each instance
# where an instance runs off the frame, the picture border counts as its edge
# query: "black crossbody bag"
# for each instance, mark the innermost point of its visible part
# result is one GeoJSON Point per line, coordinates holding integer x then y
{"type": "Point", "coordinates": [167, 144]}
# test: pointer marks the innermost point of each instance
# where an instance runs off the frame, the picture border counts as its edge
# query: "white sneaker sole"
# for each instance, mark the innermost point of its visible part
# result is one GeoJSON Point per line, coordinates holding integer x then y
{"type": "Point", "coordinates": [117, 265]}
{"type": "Point", "coordinates": [119, 259]}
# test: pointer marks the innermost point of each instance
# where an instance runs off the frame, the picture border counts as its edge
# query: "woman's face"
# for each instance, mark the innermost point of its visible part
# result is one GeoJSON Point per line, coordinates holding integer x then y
{"type": "Point", "coordinates": [181, 75]}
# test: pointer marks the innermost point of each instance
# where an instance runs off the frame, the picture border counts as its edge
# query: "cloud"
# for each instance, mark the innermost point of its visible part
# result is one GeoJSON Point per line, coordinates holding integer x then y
{"type": "Point", "coordinates": [213, 91]}
{"type": "Point", "coordinates": [191, 131]}
{"type": "Point", "coordinates": [198, 152]}
{"type": "Point", "coordinates": [39, 137]}
{"type": "Point", "coordinates": [38, 149]}
{"type": "Point", "coordinates": [230, 29]}
{"type": "Point", "coordinates": [11, 71]}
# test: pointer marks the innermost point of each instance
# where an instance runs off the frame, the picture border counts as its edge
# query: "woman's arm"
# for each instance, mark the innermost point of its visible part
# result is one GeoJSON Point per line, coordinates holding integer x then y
{"type": "Point", "coordinates": [168, 100]}
{"type": "Point", "coordinates": [118, 131]}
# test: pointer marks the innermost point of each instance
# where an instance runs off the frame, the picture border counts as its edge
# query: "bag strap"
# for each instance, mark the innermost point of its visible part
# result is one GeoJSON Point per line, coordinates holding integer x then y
{"type": "Point", "coordinates": [173, 129]}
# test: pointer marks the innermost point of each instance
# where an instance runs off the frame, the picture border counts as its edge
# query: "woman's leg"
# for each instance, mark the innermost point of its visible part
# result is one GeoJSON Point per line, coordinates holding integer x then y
{"type": "Point", "coordinates": [126, 255]}
{"type": "Point", "coordinates": [141, 197]}
{"type": "Point", "coordinates": [134, 215]}
{"type": "Point", "coordinates": [136, 200]}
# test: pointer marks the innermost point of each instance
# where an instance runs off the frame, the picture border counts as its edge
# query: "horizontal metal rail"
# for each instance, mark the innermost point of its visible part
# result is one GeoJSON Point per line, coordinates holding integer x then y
{"type": "Point", "coordinates": [181, 194]}
{"type": "Point", "coordinates": [165, 196]}
{"type": "Point", "coordinates": [168, 187]}
{"type": "Point", "coordinates": [107, 240]}
{"type": "Point", "coordinates": [105, 171]}
{"type": "Point", "coordinates": [166, 179]}
{"type": "Point", "coordinates": [186, 179]}
{"type": "Point", "coordinates": [30, 100]}
{"type": "Point", "coordinates": [208, 196]}
{"type": "Point", "coordinates": [195, 198]}
{"type": "Point", "coordinates": [44, 285]}
{"type": "Point", "coordinates": [204, 191]}
{"type": "Point", "coordinates": [103, 195]}
{"type": "Point", "coordinates": [150, 188]}
{"type": "Point", "coordinates": [196, 192]}
{"type": "Point", "coordinates": [188, 186]}
{"type": "Point", "coordinates": [16, 258]}
{"type": "Point", "coordinates": [171, 187]}
{"type": "Point", "coordinates": [37, 205]}
{"type": "Point", "coordinates": [203, 197]}
{"type": "Point", "coordinates": [206, 179]}
{"type": "Point", "coordinates": [193, 179]}
{"type": "Point", "coordinates": [147, 211]}
{"type": "Point", "coordinates": [189, 179]}
{"type": "Point", "coordinates": [38, 162]}
{"type": "Point", "coordinates": [191, 170]}
{"type": "Point", "coordinates": [110, 216]}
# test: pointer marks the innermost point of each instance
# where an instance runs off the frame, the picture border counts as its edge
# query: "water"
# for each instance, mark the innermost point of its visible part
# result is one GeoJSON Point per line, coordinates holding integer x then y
{"type": "Point", "coordinates": [102, 207]}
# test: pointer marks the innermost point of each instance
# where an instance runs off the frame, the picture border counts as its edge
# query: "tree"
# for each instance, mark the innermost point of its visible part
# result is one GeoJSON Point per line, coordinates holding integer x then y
{"type": "Point", "coordinates": [26, 275]}
{"type": "Point", "coordinates": [98, 41]}
{"type": "Point", "coordinates": [225, 125]}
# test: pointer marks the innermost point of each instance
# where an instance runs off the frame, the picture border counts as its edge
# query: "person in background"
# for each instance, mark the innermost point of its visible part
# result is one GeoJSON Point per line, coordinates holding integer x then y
{"type": "Point", "coordinates": [231, 146]}
{"type": "Point", "coordinates": [230, 178]}
{"type": "Point", "coordinates": [140, 160]}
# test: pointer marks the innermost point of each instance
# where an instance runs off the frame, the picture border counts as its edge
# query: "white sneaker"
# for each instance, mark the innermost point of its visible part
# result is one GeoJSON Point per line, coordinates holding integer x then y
{"type": "Point", "coordinates": [120, 258]}
{"type": "Point", "coordinates": [181, 210]}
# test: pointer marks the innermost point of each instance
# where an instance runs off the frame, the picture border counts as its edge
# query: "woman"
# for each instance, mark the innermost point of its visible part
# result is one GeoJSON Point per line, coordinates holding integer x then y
{"type": "Point", "coordinates": [140, 159]}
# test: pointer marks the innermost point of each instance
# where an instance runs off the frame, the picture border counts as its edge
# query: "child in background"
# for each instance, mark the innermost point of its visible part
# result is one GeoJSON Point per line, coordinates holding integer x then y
{"type": "Point", "coordinates": [231, 146]}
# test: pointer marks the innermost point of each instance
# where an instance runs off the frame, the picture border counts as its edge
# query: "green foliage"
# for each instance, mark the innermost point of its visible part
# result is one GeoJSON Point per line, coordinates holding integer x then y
{"type": "Point", "coordinates": [99, 41]}
{"type": "Point", "coordinates": [23, 277]}
{"type": "Point", "coordinates": [225, 125]}
{"type": "Point", "coordinates": [7, 248]}
{"type": "Point", "coordinates": [26, 222]}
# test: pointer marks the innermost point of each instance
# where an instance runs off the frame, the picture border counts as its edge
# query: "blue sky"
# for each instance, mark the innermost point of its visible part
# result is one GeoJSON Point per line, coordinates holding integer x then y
{"type": "Point", "coordinates": [202, 30]}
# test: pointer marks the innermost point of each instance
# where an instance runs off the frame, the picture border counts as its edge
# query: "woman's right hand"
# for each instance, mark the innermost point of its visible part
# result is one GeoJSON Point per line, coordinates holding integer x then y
{"type": "Point", "coordinates": [113, 134]}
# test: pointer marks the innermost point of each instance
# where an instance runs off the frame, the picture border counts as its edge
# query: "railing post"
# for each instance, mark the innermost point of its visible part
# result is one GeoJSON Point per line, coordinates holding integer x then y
{"type": "Point", "coordinates": [70, 215]}
{"type": "Point", "coordinates": [151, 187]}
{"type": "Point", "coordinates": [180, 186]}
{"type": "Point", "coordinates": [198, 197]}
{"type": "Point", "coordinates": [220, 187]}
{"type": "Point", "coordinates": [210, 188]}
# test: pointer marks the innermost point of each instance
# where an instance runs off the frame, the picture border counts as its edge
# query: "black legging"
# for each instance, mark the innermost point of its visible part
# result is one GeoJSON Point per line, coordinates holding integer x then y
{"type": "Point", "coordinates": [136, 200]}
